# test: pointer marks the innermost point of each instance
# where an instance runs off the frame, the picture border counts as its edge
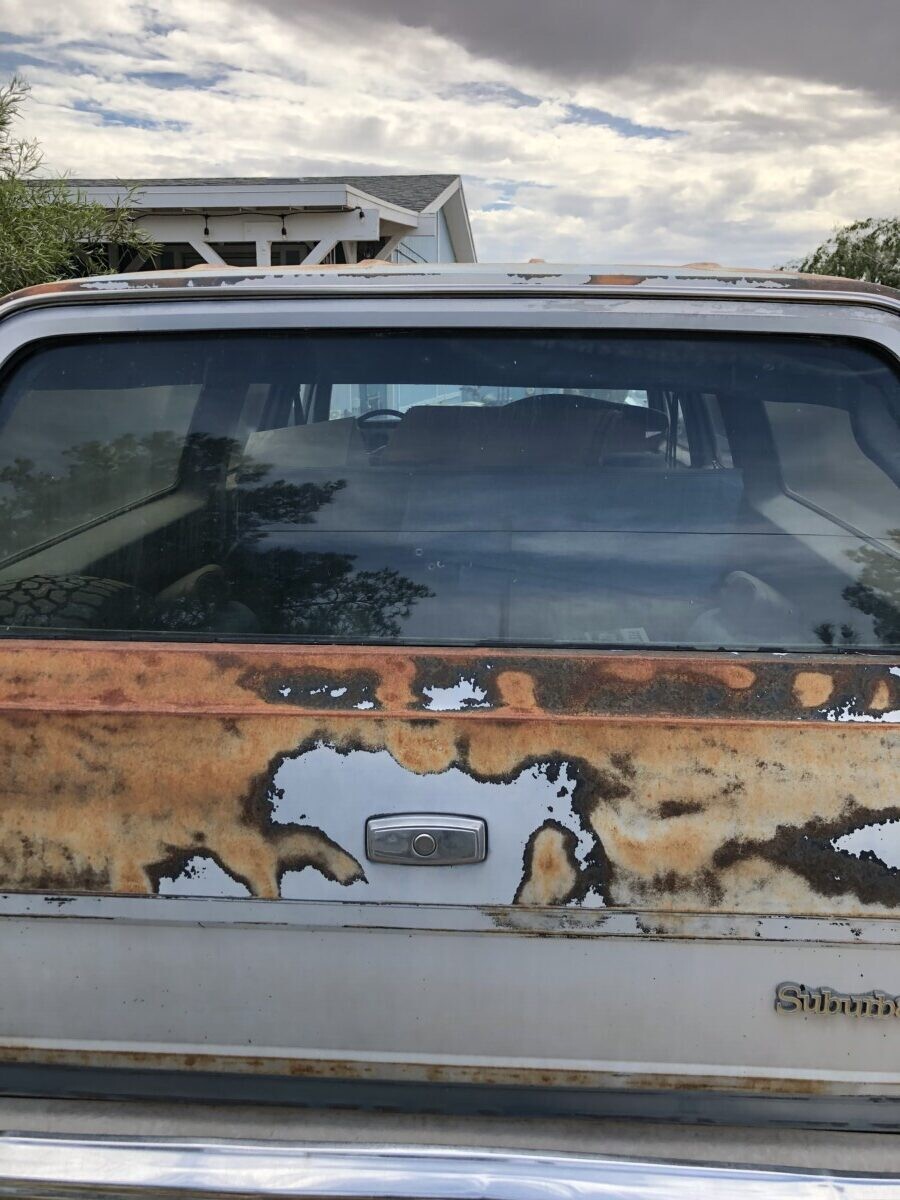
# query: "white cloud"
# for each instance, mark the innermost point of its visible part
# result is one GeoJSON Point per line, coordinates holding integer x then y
{"type": "Point", "coordinates": [761, 169]}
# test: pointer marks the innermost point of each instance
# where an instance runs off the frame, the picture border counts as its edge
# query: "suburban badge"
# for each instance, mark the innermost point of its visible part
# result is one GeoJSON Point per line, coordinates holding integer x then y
{"type": "Point", "coordinates": [826, 1002]}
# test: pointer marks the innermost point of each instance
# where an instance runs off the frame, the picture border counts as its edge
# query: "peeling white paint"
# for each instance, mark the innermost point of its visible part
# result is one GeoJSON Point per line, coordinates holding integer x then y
{"type": "Point", "coordinates": [110, 285]}
{"type": "Point", "coordinates": [704, 281]}
{"type": "Point", "coordinates": [337, 792]}
{"type": "Point", "coordinates": [202, 876]}
{"type": "Point", "coordinates": [881, 839]}
{"type": "Point", "coordinates": [894, 671]}
{"type": "Point", "coordinates": [365, 704]}
{"type": "Point", "coordinates": [850, 712]}
{"type": "Point", "coordinates": [465, 693]}
{"type": "Point", "coordinates": [334, 693]}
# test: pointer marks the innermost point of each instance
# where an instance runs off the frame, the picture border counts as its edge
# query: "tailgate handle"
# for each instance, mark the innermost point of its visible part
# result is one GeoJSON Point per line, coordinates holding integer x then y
{"type": "Point", "coordinates": [426, 839]}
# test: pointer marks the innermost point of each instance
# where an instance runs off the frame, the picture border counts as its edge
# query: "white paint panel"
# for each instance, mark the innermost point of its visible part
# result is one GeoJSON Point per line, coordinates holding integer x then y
{"type": "Point", "coordinates": [881, 839]}
{"type": "Point", "coordinates": [849, 713]}
{"type": "Point", "coordinates": [202, 876]}
{"type": "Point", "coordinates": [464, 694]}
{"type": "Point", "coordinates": [674, 1005]}
{"type": "Point", "coordinates": [337, 792]}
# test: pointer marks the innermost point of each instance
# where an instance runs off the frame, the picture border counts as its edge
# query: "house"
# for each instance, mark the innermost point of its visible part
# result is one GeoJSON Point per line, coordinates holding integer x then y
{"type": "Point", "coordinates": [280, 222]}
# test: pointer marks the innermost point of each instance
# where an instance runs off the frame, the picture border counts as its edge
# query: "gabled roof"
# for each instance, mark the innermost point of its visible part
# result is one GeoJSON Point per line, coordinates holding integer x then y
{"type": "Point", "coordinates": [414, 192]}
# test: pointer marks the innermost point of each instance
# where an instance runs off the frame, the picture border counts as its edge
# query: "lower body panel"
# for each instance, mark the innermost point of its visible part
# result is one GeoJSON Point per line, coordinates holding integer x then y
{"type": "Point", "coordinates": [365, 992]}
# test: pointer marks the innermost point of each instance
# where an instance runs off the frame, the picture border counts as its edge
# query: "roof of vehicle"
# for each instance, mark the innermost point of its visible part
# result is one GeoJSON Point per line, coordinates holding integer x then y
{"type": "Point", "coordinates": [377, 276]}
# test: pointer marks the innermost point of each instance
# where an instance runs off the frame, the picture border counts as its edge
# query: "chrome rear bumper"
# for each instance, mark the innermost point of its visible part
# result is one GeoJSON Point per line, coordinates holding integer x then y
{"type": "Point", "coordinates": [56, 1167]}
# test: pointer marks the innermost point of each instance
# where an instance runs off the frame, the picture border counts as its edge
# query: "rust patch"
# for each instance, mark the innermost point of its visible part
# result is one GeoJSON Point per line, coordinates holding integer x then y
{"type": "Point", "coordinates": [516, 690]}
{"type": "Point", "coordinates": [678, 808]}
{"type": "Point", "coordinates": [617, 280]}
{"type": "Point", "coordinates": [315, 688]}
{"type": "Point", "coordinates": [808, 851]}
{"type": "Point", "coordinates": [551, 871]}
{"type": "Point", "coordinates": [236, 680]}
{"type": "Point", "coordinates": [701, 782]}
{"type": "Point", "coordinates": [170, 790]}
{"type": "Point", "coordinates": [881, 697]}
{"type": "Point", "coordinates": [812, 688]}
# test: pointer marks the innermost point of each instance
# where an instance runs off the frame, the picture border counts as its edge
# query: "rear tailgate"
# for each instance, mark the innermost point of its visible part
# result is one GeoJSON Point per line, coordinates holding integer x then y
{"type": "Point", "coordinates": [704, 852]}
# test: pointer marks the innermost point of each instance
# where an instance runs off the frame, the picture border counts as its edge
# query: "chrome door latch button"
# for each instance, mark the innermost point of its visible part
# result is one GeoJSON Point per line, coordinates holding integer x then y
{"type": "Point", "coordinates": [424, 845]}
{"type": "Point", "coordinates": [426, 839]}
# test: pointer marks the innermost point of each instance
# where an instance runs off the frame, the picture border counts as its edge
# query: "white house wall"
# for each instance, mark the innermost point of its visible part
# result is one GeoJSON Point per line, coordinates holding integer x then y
{"type": "Point", "coordinates": [435, 247]}
{"type": "Point", "coordinates": [317, 229]}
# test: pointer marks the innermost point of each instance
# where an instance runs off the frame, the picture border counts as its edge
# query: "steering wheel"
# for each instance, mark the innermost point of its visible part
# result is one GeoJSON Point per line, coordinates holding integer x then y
{"type": "Point", "coordinates": [393, 413]}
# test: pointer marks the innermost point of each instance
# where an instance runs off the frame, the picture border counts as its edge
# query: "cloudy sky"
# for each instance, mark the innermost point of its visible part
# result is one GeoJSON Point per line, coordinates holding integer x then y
{"type": "Point", "coordinates": [739, 131]}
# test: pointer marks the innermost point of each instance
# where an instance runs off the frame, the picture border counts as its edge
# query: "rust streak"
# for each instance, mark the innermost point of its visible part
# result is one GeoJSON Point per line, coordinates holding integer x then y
{"type": "Point", "coordinates": [172, 678]}
{"type": "Point", "coordinates": [387, 1070]}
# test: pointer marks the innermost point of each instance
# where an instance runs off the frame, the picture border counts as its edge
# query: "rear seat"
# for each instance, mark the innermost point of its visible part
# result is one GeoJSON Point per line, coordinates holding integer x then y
{"type": "Point", "coordinates": [526, 519]}
{"type": "Point", "coordinates": [318, 447]}
{"type": "Point", "coordinates": [536, 432]}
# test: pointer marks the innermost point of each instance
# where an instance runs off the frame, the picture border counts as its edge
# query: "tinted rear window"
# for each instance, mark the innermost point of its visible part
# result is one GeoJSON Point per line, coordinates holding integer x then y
{"type": "Point", "coordinates": [574, 489]}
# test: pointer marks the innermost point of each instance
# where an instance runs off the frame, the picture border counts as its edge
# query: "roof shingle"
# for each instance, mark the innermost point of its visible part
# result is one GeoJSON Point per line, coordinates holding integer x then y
{"type": "Point", "coordinates": [414, 192]}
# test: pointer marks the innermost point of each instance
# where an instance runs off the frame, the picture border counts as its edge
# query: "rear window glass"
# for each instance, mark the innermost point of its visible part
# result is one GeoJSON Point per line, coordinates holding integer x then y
{"type": "Point", "coordinates": [78, 444]}
{"type": "Point", "coordinates": [569, 489]}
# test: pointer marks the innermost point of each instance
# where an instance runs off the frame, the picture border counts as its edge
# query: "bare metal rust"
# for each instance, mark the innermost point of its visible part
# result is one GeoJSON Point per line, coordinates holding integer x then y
{"type": "Point", "coordinates": [568, 685]}
{"type": "Point", "coordinates": [551, 872]}
{"type": "Point", "coordinates": [104, 790]}
{"type": "Point", "coordinates": [703, 784]}
{"type": "Point", "coordinates": [109, 804]}
{"type": "Point", "coordinates": [753, 687]}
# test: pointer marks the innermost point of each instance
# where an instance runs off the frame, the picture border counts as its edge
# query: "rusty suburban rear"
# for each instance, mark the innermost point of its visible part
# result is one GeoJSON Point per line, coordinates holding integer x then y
{"type": "Point", "coordinates": [637, 621]}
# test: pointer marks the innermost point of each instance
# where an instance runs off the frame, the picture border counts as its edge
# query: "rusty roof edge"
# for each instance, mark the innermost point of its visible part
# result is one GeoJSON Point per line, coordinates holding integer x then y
{"type": "Point", "coordinates": [134, 292]}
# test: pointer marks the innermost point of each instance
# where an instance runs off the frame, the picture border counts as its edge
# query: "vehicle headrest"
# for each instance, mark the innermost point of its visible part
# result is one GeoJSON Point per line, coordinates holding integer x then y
{"type": "Point", "coordinates": [536, 431]}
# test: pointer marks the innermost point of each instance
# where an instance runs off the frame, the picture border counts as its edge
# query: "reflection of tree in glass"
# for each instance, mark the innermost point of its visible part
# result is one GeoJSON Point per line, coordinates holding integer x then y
{"type": "Point", "coordinates": [313, 593]}
{"type": "Point", "coordinates": [283, 503]}
{"type": "Point", "coordinates": [299, 593]}
{"type": "Point", "coordinates": [99, 478]}
{"type": "Point", "coordinates": [843, 635]}
{"type": "Point", "coordinates": [309, 594]}
{"type": "Point", "coordinates": [877, 591]}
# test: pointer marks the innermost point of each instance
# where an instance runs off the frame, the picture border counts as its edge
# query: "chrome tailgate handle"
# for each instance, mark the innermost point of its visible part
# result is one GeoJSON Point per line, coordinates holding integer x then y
{"type": "Point", "coordinates": [426, 839]}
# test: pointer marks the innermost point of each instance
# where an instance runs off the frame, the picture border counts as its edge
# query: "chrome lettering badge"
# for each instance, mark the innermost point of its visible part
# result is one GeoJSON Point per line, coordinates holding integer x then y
{"type": "Point", "coordinates": [826, 1002]}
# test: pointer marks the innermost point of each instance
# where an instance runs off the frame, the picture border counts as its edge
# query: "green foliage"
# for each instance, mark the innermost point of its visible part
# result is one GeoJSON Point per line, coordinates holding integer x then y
{"type": "Point", "coordinates": [868, 250]}
{"type": "Point", "coordinates": [48, 230]}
